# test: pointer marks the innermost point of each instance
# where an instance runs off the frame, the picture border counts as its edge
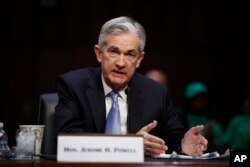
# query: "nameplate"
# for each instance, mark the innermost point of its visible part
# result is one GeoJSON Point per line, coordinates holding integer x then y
{"type": "Point", "coordinates": [100, 148]}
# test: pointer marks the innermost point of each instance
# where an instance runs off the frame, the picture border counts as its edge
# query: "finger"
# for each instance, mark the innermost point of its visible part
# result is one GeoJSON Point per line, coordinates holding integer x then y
{"type": "Point", "coordinates": [202, 148]}
{"type": "Point", "coordinates": [154, 139]}
{"type": "Point", "coordinates": [203, 140]}
{"type": "Point", "coordinates": [151, 138]}
{"type": "Point", "coordinates": [202, 145]}
{"type": "Point", "coordinates": [154, 145]}
{"type": "Point", "coordinates": [151, 148]}
{"type": "Point", "coordinates": [149, 127]}
{"type": "Point", "coordinates": [196, 129]}
{"type": "Point", "coordinates": [198, 152]}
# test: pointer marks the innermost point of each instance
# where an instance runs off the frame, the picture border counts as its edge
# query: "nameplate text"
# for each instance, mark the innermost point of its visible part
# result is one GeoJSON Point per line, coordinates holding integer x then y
{"type": "Point", "coordinates": [100, 148]}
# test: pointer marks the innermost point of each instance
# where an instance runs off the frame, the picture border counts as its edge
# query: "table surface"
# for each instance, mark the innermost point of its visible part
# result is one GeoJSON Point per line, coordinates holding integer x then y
{"type": "Point", "coordinates": [147, 163]}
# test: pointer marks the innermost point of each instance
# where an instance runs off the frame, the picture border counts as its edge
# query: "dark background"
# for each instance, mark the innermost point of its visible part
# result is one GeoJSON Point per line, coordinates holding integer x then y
{"type": "Point", "coordinates": [189, 40]}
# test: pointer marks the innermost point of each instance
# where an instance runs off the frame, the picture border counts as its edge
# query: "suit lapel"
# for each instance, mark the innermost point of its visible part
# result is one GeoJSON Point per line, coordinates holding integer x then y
{"type": "Point", "coordinates": [135, 105]}
{"type": "Point", "coordinates": [96, 98]}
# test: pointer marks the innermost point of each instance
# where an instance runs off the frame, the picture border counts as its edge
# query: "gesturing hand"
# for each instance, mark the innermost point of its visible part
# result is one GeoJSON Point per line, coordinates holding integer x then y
{"type": "Point", "coordinates": [152, 145]}
{"type": "Point", "coordinates": [193, 143]}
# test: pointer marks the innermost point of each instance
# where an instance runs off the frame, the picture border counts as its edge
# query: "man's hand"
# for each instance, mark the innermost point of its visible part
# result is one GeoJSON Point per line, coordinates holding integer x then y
{"type": "Point", "coordinates": [193, 143]}
{"type": "Point", "coordinates": [152, 145]}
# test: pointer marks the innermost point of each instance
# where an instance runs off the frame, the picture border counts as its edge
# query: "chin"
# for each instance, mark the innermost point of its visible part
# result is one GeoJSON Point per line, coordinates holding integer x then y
{"type": "Point", "coordinates": [118, 84]}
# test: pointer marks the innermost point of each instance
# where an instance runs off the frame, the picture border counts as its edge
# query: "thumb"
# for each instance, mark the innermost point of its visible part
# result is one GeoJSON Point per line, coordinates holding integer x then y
{"type": "Point", "coordinates": [196, 129]}
{"type": "Point", "coordinates": [149, 127]}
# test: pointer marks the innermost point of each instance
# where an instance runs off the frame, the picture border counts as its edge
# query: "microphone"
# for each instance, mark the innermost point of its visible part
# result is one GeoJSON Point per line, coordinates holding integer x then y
{"type": "Point", "coordinates": [127, 92]}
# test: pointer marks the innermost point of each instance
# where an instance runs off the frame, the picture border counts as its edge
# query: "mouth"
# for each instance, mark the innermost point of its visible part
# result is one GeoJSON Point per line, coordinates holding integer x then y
{"type": "Point", "coordinates": [119, 73]}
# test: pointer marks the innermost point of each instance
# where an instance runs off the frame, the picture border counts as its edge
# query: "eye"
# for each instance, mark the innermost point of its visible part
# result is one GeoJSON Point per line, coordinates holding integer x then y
{"type": "Point", "coordinates": [131, 54]}
{"type": "Point", "coordinates": [113, 51]}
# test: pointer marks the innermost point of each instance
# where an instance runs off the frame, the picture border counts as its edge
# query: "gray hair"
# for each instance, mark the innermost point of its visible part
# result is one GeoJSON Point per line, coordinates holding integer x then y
{"type": "Point", "coordinates": [121, 25]}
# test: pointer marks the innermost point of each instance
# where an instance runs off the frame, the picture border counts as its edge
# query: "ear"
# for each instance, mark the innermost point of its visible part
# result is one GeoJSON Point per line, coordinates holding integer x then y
{"type": "Point", "coordinates": [98, 53]}
{"type": "Point", "coordinates": [141, 56]}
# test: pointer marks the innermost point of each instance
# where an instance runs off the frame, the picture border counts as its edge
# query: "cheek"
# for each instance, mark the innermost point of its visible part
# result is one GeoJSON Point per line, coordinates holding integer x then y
{"type": "Point", "coordinates": [107, 67]}
{"type": "Point", "coordinates": [107, 63]}
{"type": "Point", "coordinates": [131, 69]}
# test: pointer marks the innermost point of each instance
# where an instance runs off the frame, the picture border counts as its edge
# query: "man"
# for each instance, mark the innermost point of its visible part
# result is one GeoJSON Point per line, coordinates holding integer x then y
{"type": "Point", "coordinates": [144, 105]}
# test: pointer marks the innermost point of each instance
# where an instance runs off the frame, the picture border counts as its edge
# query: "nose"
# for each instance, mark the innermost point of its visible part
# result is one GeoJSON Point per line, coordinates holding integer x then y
{"type": "Point", "coordinates": [120, 62]}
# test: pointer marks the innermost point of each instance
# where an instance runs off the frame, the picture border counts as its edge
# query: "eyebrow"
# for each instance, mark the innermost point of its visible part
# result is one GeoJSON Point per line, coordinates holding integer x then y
{"type": "Point", "coordinates": [113, 47]}
{"type": "Point", "coordinates": [128, 51]}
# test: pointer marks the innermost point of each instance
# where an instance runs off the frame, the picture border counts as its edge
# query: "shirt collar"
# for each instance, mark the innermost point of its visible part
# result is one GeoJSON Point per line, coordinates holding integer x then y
{"type": "Point", "coordinates": [107, 89]}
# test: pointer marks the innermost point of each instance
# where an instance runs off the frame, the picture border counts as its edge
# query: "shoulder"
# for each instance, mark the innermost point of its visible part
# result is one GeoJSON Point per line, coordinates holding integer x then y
{"type": "Point", "coordinates": [146, 84]}
{"type": "Point", "coordinates": [84, 72]}
{"type": "Point", "coordinates": [80, 76]}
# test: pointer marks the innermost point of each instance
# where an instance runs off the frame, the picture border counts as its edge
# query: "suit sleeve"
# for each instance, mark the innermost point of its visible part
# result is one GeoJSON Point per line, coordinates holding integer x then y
{"type": "Point", "coordinates": [173, 129]}
{"type": "Point", "coordinates": [67, 112]}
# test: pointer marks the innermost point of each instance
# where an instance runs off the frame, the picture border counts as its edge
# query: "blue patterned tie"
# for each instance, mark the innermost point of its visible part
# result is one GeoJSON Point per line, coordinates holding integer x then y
{"type": "Point", "coordinates": [113, 121]}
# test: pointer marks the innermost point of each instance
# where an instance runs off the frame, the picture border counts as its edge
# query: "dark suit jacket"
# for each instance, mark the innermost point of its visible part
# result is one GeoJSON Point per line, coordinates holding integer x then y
{"type": "Point", "coordinates": [81, 106]}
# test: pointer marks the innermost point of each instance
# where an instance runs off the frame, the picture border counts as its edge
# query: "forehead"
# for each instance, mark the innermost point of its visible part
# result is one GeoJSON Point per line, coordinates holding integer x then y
{"type": "Point", "coordinates": [125, 41]}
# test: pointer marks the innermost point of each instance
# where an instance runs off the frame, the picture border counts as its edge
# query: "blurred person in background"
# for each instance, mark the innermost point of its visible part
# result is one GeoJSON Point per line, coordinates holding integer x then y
{"type": "Point", "coordinates": [196, 111]}
{"type": "Point", "coordinates": [237, 135]}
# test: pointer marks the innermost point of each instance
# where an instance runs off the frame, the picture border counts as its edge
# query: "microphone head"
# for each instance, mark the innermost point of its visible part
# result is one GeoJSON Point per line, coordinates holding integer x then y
{"type": "Point", "coordinates": [127, 90]}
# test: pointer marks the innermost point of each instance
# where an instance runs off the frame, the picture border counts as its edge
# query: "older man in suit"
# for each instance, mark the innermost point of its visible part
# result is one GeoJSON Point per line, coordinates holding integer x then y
{"type": "Point", "coordinates": [143, 106]}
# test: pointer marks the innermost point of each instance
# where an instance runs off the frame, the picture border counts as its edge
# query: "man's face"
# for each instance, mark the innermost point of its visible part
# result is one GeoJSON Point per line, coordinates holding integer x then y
{"type": "Point", "coordinates": [119, 58]}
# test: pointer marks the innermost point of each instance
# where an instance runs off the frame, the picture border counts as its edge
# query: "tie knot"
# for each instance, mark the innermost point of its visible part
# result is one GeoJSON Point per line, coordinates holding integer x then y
{"type": "Point", "coordinates": [114, 96]}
